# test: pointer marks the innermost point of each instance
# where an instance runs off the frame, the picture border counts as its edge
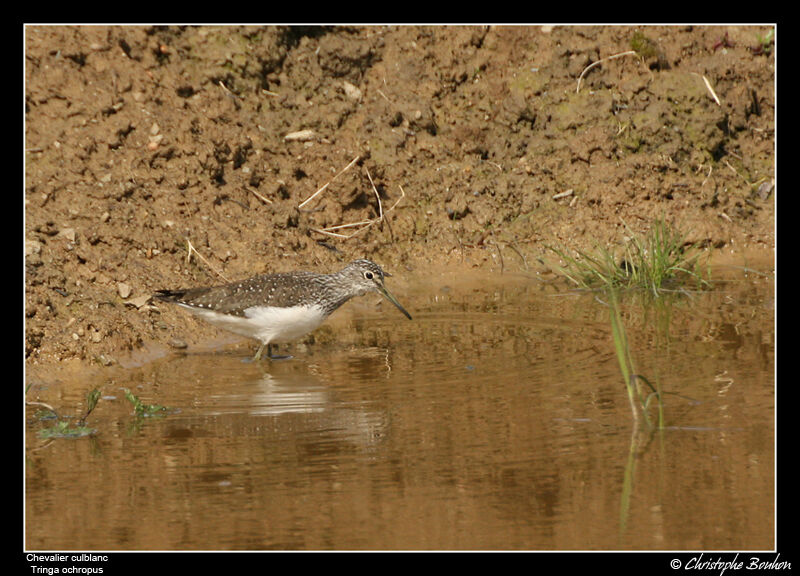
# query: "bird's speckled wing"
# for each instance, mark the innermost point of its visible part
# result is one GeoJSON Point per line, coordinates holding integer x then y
{"type": "Point", "coordinates": [282, 290]}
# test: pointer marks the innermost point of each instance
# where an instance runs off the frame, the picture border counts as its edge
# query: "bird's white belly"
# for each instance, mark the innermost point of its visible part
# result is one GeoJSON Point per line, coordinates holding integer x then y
{"type": "Point", "coordinates": [267, 323]}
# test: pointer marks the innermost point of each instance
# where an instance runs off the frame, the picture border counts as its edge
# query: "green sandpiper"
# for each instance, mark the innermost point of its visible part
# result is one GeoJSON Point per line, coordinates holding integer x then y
{"type": "Point", "coordinates": [281, 307]}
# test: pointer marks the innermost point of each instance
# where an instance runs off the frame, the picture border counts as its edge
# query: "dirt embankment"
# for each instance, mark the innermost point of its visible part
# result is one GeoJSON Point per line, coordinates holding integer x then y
{"type": "Point", "coordinates": [483, 144]}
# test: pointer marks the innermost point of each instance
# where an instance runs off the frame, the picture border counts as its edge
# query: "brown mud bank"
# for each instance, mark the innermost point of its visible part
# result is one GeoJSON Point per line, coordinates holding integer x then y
{"type": "Point", "coordinates": [443, 148]}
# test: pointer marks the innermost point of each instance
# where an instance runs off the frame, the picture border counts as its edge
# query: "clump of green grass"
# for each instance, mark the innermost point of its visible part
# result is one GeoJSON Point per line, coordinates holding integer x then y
{"type": "Point", "coordinates": [140, 409]}
{"type": "Point", "coordinates": [63, 428]}
{"type": "Point", "coordinates": [653, 263]}
{"type": "Point", "coordinates": [656, 261]}
{"type": "Point", "coordinates": [764, 45]}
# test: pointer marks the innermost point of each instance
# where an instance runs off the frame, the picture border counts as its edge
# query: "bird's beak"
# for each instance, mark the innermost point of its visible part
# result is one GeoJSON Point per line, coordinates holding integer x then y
{"type": "Point", "coordinates": [382, 289]}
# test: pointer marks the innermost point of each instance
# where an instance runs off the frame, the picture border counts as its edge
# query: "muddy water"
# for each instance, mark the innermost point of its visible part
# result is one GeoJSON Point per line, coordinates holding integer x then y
{"type": "Point", "coordinates": [496, 419]}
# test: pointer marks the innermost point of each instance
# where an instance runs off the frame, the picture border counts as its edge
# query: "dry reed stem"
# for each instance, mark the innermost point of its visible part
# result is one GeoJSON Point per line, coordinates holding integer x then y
{"type": "Point", "coordinates": [520, 254]}
{"type": "Point", "coordinates": [710, 170]}
{"type": "Point", "coordinates": [606, 59]}
{"type": "Point", "coordinates": [259, 196]}
{"type": "Point", "coordinates": [710, 90]}
{"type": "Point", "coordinates": [364, 224]}
{"type": "Point", "coordinates": [42, 404]}
{"type": "Point", "coordinates": [745, 180]}
{"type": "Point", "coordinates": [385, 97]}
{"type": "Point", "coordinates": [326, 232]}
{"type": "Point", "coordinates": [499, 252]}
{"type": "Point", "coordinates": [206, 262]}
{"type": "Point", "coordinates": [315, 194]}
{"type": "Point", "coordinates": [380, 206]}
{"type": "Point", "coordinates": [351, 225]}
{"type": "Point", "coordinates": [227, 91]}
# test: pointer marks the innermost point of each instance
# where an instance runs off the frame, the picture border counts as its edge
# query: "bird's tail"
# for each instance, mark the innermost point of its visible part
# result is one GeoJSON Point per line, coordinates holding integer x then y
{"type": "Point", "coordinates": [169, 295]}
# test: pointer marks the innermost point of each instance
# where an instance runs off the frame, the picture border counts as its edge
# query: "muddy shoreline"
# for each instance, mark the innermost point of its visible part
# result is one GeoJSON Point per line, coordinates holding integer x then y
{"type": "Point", "coordinates": [455, 148]}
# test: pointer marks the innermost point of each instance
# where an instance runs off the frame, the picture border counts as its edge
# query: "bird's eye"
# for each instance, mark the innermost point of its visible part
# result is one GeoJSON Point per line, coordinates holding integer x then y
{"type": "Point", "coordinates": [368, 275]}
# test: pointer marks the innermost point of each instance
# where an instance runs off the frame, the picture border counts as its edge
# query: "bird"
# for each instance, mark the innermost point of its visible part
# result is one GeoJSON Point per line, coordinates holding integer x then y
{"type": "Point", "coordinates": [281, 307]}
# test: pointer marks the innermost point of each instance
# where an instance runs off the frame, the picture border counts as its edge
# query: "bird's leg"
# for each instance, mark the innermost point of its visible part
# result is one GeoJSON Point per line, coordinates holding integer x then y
{"type": "Point", "coordinates": [276, 357]}
{"type": "Point", "coordinates": [258, 353]}
{"type": "Point", "coordinates": [269, 354]}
